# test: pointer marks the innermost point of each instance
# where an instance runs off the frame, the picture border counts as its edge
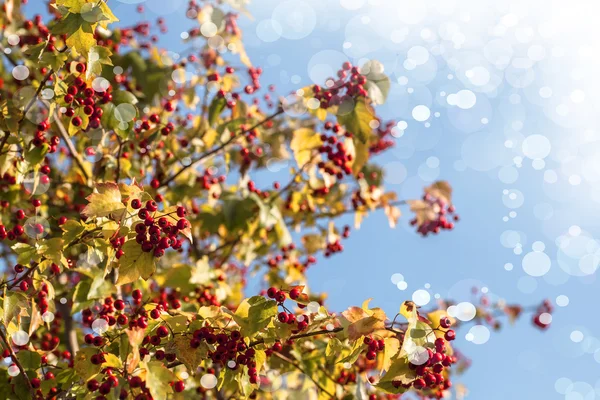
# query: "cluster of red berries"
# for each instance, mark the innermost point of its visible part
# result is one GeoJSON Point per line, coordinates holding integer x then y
{"type": "Point", "coordinates": [373, 347]}
{"type": "Point", "coordinates": [286, 317]}
{"type": "Point", "coordinates": [109, 381]}
{"type": "Point", "coordinates": [31, 38]}
{"type": "Point", "coordinates": [231, 350]}
{"type": "Point", "coordinates": [346, 377]}
{"type": "Point", "coordinates": [207, 180]}
{"type": "Point", "coordinates": [80, 96]}
{"type": "Point", "coordinates": [384, 142]}
{"type": "Point", "coordinates": [18, 229]}
{"type": "Point", "coordinates": [431, 373]}
{"type": "Point", "coordinates": [349, 83]}
{"type": "Point", "coordinates": [336, 246]}
{"type": "Point", "coordinates": [545, 308]}
{"type": "Point", "coordinates": [153, 121]}
{"type": "Point", "coordinates": [40, 139]}
{"type": "Point", "coordinates": [155, 235]}
{"type": "Point", "coordinates": [339, 161]}
{"type": "Point", "coordinates": [444, 215]}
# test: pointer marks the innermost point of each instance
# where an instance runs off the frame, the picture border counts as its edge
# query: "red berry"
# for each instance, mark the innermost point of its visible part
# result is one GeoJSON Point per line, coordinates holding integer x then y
{"type": "Point", "coordinates": [272, 292]}
{"type": "Point", "coordinates": [162, 331]}
{"type": "Point", "coordinates": [295, 293]}
{"type": "Point", "coordinates": [282, 317]}
{"type": "Point", "coordinates": [179, 386]}
{"type": "Point", "coordinates": [450, 335]}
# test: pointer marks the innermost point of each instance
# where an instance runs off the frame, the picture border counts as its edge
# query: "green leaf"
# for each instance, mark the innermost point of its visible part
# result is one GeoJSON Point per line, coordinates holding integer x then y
{"type": "Point", "coordinates": [29, 359]}
{"type": "Point", "coordinates": [13, 302]}
{"type": "Point", "coordinates": [100, 287]}
{"type": "Point", "coordinates": [418, 333]}
{"type": "Point", "coordinates": [83, 365]}
{"type": "Point", "coordinates": [71, 230]}
{"type": "Point", "coordinates": [54, 60]}
{"type": "Point", "coordinates": [80, 33]}
{"type": "Point", "coordinates": [358, 120]}
{"type": "Point", "coordinates": [158, 379]}
{"type": "Point", "coordinates": [214, 110]}
{"type": "Point", "coordinates": [124, 96]}
{"type": "Point", "coordinates": [25, 253]}
{"type": "Point", "coordinates": [303, 143]}
{"type": "Point", "coordinates": [399, 371]}
{"type": "Point", "coordinates": [378, 83]}
{"type": "Point", "coordinates": [35, 155]}
{"type": "Point", "coordinates": [97, 57]}
{"type": "Point", "coordinates": [355, 351]}
{"type": "Point", "coordinates": [334, 348]}
{"type": "Point", "coordinates": [254, 314]}
{"type": "Point", "coordinates": [135, 264]}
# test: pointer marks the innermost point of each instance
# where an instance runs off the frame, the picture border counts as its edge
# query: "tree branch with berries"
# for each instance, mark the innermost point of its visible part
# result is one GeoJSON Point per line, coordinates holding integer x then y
{"type": "Point", "coordinates": [132, 219]}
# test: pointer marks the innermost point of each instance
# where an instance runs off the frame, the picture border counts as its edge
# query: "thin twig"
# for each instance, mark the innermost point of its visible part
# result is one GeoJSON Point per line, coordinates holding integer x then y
{"type": "Point", "coordinates": [303, 335]}
{"type": "Point", "coordinates": [15, 359]}
{"type": "Point", "coordinates": [299, 367]}
{"type": "Point", "coordinates": [37, 93]}
{"type": "Point", "coordinates": [74, 154]}
{"type": "Point", "coordinates": [119, 158]}
{"type": "Point", "coordinates": [4, 140]}
{"type": "Point", "coordinates": [217, 149]}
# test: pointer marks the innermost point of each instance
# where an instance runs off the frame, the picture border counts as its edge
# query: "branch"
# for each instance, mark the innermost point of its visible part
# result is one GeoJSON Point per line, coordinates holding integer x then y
{"type": "Point", "coordinates": [74, 154]}
{"type": "Point", "coordinates": [303, 335]}
{"type": "Point", "coordinates": [4, 140]}
{"type": "Point", "coordinates": [16, 360]}
{"type": "Point", "coordinates": [70, 335]}
{"type": "Point", "coordinates": [352, 210]}
{"type": "Point", "coordinates": [119, 159]}
{"type": "Point", "coordinates": [35, 96]}
{"type": "Point", "coordinates": [299, 368]}
{"type": "Point", "coordinates": [218, 148]}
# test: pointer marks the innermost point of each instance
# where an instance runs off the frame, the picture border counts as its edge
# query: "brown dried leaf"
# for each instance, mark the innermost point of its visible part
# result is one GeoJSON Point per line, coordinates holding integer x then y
{"type": "Point", "coordinates": [440, 190]}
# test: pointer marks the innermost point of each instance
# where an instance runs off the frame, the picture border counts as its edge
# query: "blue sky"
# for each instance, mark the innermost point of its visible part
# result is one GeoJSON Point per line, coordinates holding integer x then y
{"type": "Point", "coordinates": [521, 160]}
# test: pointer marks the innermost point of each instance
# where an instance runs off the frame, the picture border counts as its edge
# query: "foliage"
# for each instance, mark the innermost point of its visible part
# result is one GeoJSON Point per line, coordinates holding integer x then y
{"type": "Point", "coordinates": [130, 221]}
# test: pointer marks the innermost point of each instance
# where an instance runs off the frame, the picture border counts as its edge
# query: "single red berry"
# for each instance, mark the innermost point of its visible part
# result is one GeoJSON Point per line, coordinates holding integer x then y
{"type": "Point", "coordinates": [179, 386]}
{"type": "Point", "coordinates": [282, 317]}
{"type": "Point", "coordinates": [295, 293]}
{"type": "Point", "coordinates": [272, 292]}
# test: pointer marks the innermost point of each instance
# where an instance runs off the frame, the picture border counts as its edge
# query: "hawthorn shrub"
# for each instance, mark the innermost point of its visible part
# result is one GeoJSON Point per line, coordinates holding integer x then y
{"type": "Point", "coordinates": [130, 220]}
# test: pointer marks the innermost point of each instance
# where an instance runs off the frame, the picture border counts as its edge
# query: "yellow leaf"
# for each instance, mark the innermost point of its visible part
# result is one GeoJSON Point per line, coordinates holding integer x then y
{"type": "Point", "coordinates": [135, 263]}
{"type": "Point", "coordinates": [106, 200]}
{"type": "Point", "coordinates": [81, 41]}
{"type": "Point", "coordinates": [361, 323]}
{"type": "Point", "coordinates": [392, 346]}
{"type": "Point", "coordinates": [305, 140]}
